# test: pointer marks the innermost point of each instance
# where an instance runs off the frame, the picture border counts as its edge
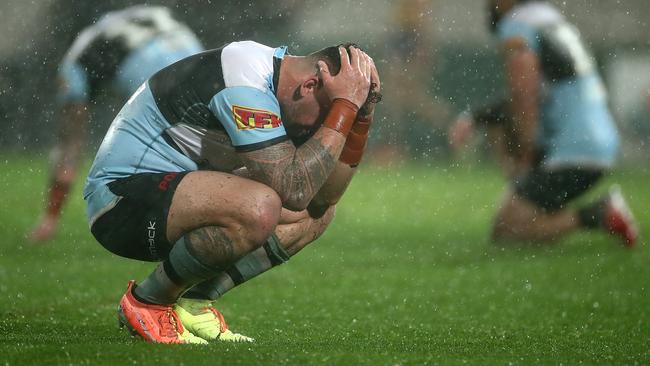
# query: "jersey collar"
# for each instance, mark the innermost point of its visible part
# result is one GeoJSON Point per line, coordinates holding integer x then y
{"type": "Point", "coordinates": [278, 55]}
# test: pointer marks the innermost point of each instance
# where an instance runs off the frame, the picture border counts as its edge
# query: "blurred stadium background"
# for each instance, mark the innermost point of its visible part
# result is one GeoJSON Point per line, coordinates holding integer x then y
{"type": "Point", "coordinates": [438, 52]}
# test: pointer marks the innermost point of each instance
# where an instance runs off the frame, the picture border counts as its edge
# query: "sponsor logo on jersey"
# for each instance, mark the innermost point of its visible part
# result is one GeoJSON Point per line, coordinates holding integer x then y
{"type": "Point", "coordinates": [249, 118]}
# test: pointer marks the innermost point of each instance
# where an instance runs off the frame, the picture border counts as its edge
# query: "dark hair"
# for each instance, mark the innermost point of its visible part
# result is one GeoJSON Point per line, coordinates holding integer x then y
{"type": "Point", "coordinates": [331, 56]}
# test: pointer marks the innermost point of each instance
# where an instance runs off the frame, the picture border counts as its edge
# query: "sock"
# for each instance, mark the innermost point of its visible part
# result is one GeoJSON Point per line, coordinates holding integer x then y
{"type": "Point", "coordinates": [262, 259]}
{"type": "Point", "coordinates": [193, 306]}
{"type": "Point", "coordinates": [171, 278]}
{"type": "Point", "coordinates": [593, 215]}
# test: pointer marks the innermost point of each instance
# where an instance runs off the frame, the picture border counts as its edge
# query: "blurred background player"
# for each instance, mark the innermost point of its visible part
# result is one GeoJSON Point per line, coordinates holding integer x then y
{"type": "Point", "coordinates": [554, 136]}
{"type": "Point", "coordinates": [416, 112]}
{"type": "Point", "coordinates": [119, 53]}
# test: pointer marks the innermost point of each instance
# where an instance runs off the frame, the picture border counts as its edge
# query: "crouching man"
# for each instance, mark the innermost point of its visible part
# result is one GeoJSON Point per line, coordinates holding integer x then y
{"type": "Point", "coordinates": [222, 166]}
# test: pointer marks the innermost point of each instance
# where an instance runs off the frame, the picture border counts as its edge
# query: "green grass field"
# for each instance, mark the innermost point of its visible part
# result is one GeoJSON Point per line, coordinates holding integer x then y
{"type": "Point", "coordinates": [405, 276]}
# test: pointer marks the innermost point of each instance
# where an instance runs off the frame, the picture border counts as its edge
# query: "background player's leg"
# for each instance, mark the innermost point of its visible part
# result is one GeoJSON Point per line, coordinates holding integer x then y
{"type": "Point", "coordinates": [214, 219]}
{"type": "Point", "coordinates": [519, 219]}
{"type": "Point", "coordinates": [295, 231]}
{"type": "Point", "coordinates": [65, 158]}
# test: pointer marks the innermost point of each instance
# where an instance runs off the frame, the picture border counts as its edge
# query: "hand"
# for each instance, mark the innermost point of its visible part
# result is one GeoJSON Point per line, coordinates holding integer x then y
{"type": "Point", "coordinates": [460, 132]}
{"type": "Point", "coordinates": [353, 80]}
{"type": "Point", "coordinates": [374, 96]}
{"type": "Point", "coordinates": [288, 217]}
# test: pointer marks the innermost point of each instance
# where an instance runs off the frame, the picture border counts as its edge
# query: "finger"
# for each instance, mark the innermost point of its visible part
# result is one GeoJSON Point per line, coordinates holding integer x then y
{"type": "Point", "coordinates": [375, 78]}
{"type": "Point", "coordinates": [375, 75]}
{"type": "Point", "coordinates": [324, 71]}
{"type": "Point", "coordinates": [354, 52]}
{"type": "Point", "coordinates": [369, 67]}
{"type": "Point", "coordinates": [345, 59]}
{"type": "Point", "coordinates": [363, 64]}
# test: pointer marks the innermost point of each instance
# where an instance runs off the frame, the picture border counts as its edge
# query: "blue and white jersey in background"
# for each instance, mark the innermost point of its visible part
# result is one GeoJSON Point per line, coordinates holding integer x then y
{"type": "Point", "coordinates": [194, 114]}
{"type": "Point", "coordinates": [576, 127]}
{"type": "Point", "coordinates": [122, 50]}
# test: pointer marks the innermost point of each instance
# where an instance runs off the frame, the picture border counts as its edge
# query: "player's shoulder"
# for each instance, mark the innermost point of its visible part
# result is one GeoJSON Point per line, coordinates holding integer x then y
{"type": "Point", "coordinates": [522, 26]}
{"type": "Point", "coordinates": [250, 64]}
{"type": "Point", "coordinates": [134, 24]}
{"type": "Point", "coordinates": [531, 15]}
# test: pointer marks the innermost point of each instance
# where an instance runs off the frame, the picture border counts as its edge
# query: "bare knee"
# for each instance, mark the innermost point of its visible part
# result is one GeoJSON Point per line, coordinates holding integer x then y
{"type": "Point", "coordinates": [511, 220]}
{"type": "Point", "coordinates": [259, 216]}
{"type": "Point", "coordinates": [501, 230]}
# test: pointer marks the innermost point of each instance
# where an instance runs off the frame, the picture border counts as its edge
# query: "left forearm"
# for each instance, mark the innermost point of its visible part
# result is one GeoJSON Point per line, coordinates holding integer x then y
{"type": "Point", "coordinates": [351, 156]}
{"type": "Point", "coordinates": [335, 186]}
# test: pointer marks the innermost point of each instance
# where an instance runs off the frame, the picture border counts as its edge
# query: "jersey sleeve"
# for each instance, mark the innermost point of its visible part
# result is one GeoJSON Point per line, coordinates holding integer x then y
{"type": "Point", "coordinates": [74, 87]}
{"type": "Point", "coordinates": [250, 116]}
{"type": "Point", "coordinates": [510, 28]}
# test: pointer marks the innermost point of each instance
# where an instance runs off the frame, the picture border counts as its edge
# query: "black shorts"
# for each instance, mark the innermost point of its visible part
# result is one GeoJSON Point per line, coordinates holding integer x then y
{"type": "Point", "coordinates": [551, 190]}
{"type": "Point", "coordinates": [136, 227]}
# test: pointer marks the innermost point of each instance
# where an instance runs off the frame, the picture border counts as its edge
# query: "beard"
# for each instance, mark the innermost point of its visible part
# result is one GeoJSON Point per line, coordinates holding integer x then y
{"type": "Point", "coordinates": [299, 134]}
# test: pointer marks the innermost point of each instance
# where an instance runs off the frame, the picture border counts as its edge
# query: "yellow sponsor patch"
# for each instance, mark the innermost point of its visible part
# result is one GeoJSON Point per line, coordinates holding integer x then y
{"type": "Point", "coordinates": [250, 118]}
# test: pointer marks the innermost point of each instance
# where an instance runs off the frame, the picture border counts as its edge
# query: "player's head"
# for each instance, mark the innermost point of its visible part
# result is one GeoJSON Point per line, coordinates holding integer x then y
{"type": "Point", "coordinates": [498, 8]}
{"type": "Point", "coordinates": [309, 103]}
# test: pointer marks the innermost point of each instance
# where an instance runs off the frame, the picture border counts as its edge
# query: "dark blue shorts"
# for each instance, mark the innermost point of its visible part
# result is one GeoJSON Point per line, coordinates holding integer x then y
{"type": "Point", "coordinates": [136, 227]}
{"type": "Point", "coordinates": [552, 190]}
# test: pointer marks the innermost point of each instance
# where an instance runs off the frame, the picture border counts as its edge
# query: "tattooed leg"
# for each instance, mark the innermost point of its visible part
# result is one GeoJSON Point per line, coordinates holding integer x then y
{"type": "Point", "coordinates": [214, 219]}
{"type": "Point", "coordinates": [213, 246]}
{"type": "Point", "coordinates": [196, 257]}
{"type": "Point", "coordinates": [295, 231]}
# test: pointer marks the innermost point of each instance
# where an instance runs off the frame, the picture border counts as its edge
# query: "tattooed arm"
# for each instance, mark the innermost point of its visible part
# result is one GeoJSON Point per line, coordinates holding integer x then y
{"type": "Point", "coordinates": [353, 151]}
{"type": "Point", "coordinates": [297, 174]}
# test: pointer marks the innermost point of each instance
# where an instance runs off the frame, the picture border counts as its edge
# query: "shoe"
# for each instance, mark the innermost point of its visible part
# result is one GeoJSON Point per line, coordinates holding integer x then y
{"type": "Point", "coordinates": [619, 219]}
{"type": "Point", "coordinates": [202, 319]}
{"type": "Point", "coordinates": [153, 323]}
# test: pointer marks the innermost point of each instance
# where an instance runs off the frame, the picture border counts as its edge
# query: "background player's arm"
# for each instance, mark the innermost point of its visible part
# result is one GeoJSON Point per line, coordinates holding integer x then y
{"type": "Point", "coordinates": [72, 137]}
{"type": "Point", "coordinates": [523, 76]}
{"type": "Point", "coordinates": [298, 174]}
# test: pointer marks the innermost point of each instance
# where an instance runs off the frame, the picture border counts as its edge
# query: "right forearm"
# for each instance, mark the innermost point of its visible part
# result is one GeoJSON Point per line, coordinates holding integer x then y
{"type": "Point", "coordinates": [298, 174]}
{"type": "Point", "coordinates": [311, 167]}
